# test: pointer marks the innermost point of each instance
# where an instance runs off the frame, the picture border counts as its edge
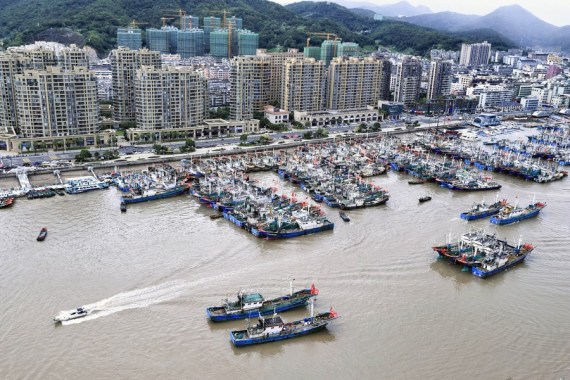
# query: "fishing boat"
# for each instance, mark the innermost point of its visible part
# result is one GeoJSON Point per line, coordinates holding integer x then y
{"type": "Point", "coordinates": [425, 199]}
{"type": "Point", "coordinates": [60, 192]}
{"type": "Point", "coordinates": [154, 194]}
{"type": "Point", "coordinates": [483, 210]}
{"type": "Point", "coordinates": [63, 316]}
{"type": "Point", "coordinates": [215, 216]}
{"type": "Point", "coordinates": [250, 305]}
{"type": "Point", "coordinates": [483, 254]}
{"type": "Point", "coordinates": [501, 261]}
{"type": "Point", "coordinates": [274, 328]}
{"type": "Point", "coordinates": [6, 202]}
{"type": "Point", "coordinates": [472, 184]}
{"type": "Point", "coordinates": [416, 182]}
{"type": "Point", "coordinates": [511, 214]}
{"type": "Point", "coordinates": [343, 216]}
{"type": "Point", "coordinates": [123, 207]}
{"type": "Point", "coordinates": [42, 235]}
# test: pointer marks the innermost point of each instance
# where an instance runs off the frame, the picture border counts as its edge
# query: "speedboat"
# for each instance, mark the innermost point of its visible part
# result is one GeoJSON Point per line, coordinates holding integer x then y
{"type": "Point", "coordinates": [80, 312]}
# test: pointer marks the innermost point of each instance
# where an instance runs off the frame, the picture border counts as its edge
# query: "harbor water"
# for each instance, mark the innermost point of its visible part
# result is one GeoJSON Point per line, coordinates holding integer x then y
{"type": "Point", "coordinates": [152, 271]}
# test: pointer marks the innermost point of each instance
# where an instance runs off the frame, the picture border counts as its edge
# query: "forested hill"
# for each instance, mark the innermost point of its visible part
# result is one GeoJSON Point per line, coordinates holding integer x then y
{"type": "Point", "coordinates": [94, 22]}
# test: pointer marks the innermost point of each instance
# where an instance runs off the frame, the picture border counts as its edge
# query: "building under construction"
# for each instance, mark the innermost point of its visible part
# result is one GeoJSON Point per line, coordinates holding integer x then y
{"type": "Point", "coordinates": [130, 38]}
{"type": "Point", "coordinates": [190, 43]}
{"type": "Point", "coordinates": [227, 43]}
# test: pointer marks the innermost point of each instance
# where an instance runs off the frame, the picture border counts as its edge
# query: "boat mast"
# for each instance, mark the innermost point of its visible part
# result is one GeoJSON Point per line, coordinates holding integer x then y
{"type": "Point", "coordinates": [291, 287]}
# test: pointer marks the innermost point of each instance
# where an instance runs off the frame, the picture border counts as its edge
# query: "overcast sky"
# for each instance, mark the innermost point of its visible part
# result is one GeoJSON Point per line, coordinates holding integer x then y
{"type": "Point", "coordinates": [556, 12]}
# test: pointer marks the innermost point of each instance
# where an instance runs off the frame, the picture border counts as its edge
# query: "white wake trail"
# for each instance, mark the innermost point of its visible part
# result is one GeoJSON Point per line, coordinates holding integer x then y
{"type": "Point", "coordinates": [133, 299]}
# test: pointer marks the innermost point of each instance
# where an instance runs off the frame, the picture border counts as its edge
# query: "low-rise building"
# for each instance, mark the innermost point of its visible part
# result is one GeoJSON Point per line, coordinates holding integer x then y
{"type": "Point", "coordinates": [275, 115]}
{"type": "Point", "coordinates": [327, 118]}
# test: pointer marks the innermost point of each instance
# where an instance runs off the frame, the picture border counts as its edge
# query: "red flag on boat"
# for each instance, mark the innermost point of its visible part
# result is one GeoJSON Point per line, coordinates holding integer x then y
{"type": "Point", "coordinates": [333, 314]}
{"type": "Point", "coordinates": [314, 290]}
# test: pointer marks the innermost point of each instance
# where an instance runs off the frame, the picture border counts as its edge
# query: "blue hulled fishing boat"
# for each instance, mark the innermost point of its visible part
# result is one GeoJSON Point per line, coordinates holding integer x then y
{"type": "Point", "coordinates": [250, 305]}
{"type": "Point", "coordinates": [511, 214]}
{"type": "Point", "coordinates": [274, 328]}
{"type": "Point", "coordinates": [154, 194]}
{"type": "Point", "coordinates": [483, 210]}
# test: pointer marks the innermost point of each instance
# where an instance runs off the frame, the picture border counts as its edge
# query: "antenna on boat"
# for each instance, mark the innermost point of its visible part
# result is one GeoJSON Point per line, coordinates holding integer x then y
{"type": "Point", "coordinates": [312, 307]}
{"type": "Point", "coordinates": [291, 287]}
{"type": "Point", "coordinates": [520, 241]}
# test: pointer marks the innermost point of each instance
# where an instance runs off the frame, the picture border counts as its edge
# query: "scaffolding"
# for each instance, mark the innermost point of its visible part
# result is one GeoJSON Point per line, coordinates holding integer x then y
{"type": "Point", "coordinates": [129, 37]}
{"type": "Point", "coordinates": [247, 42]}
{"type": "Point", "coordinates": [191, 43]}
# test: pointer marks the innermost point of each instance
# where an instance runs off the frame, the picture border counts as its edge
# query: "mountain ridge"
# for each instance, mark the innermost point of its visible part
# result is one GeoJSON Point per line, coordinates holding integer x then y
{"type": "Point", "coordinates": [512, 21]}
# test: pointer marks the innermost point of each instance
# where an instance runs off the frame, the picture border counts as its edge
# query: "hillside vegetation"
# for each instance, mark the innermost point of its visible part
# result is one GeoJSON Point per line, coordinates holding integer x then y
{"type": "Point", "coordinates": [96, 21]}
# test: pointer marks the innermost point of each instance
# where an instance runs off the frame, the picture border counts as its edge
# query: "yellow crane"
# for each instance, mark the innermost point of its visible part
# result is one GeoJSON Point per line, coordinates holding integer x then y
{"type": "Point", "coordinates": [178, 14]}
{"type": "Point", "coordinates": [134, 24]}
{"type": "Point", "coordinates": [164, 19]}
{"type": "Point", "coordinates": [228, 26]}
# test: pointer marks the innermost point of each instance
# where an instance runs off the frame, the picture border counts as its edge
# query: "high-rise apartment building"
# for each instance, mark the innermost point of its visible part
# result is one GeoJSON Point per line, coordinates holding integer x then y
{"type": "Point", "coordinates": [250, 84]}
{"type": "Point", "coordinates": [130, 38]}
{"type": "Point", "coordinates": [354, 83]}
{"type": "Point", "coordinates": [72, 57]}
{"type": "Point", "coordinates": [408, 80]}
{"type": "Point", "coordinates": [303, 85]}
{"type": "Point", "coordinates": [277, 60]}
{"type": "Point", "coordinates": [475, 54]}
{"type": "Point", "coordinates": [11, 64]}
{"type": "Point", "coordinates": [54, 102]}
{"type": "Point", "coordinates": [172, 97]}
{"type": "Point", "coordinates": [439, 79]}
{"type": "Point", "coordinates": [14, 62]}
{"type": "Point", "coordinates": [124, 64]}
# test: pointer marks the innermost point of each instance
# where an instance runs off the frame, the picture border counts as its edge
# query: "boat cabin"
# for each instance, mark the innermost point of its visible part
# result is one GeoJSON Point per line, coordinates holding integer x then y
{"type": "Point", "coordinates": [272, 325]}
{"type": "Point", "coordinates": [250, 301]}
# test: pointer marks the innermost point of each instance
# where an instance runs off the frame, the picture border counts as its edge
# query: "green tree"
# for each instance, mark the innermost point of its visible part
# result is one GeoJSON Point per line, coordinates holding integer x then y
{"type": "Point", "coordinates": [160, 149]}
{"type": "Point", "coordinates": [308, 135]}
{"type": "Point", "coordinates": [243, 139]}
{"type": "Point", "coordinates": [321, 133]}
{"type": "Point", "coordinates": [84, 155]}
{"type": "Point", "coordinates": [188, 147]}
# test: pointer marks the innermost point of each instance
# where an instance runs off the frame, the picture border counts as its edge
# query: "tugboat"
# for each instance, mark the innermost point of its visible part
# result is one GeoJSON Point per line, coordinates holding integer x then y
{"type": "Point", "coordinates": [482, 210]}
{"type": "Point", "coordinates": [425, 199]}
{"type": "Point", "coordinates": [63, 316]}
{"type": "Point", "coordinates": [274, 328]}
{"type": "Point", "coordinates": [42, 235]}
{"type": "Point", "coordinates": [6, 202]}
{"type": "Point", "coordinates": [343, 216]}
{"type": "Point", "coordinates": [253, 304]}
{"type": "Point", "coordinates": [511, 214]}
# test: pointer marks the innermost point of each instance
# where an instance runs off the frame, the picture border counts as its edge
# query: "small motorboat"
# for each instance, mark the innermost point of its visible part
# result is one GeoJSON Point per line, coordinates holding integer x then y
{"type": "Point", "coordinates": [215, 216]}
{"type": "Point", "coordinates": [6, 202]}
{"type": "Point", "coordinates": [425, 199]}
{"type": "Point", "coordinates": [80, 312]}
{"type": "Point", "coordinates": [60, 192]}
{"type": "Point", "coordinates": [123, 207]}
{"type": "Point", "coordinates": [343, 216]}
{"type": "Point", "coordinates": [42, 235]}
{"type": "Point", "coordinates": [416, 182]}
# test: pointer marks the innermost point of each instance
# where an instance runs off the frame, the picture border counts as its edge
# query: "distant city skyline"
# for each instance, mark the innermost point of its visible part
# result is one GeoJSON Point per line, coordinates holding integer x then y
{"type": "Point", "coordinates": [552, 11]}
